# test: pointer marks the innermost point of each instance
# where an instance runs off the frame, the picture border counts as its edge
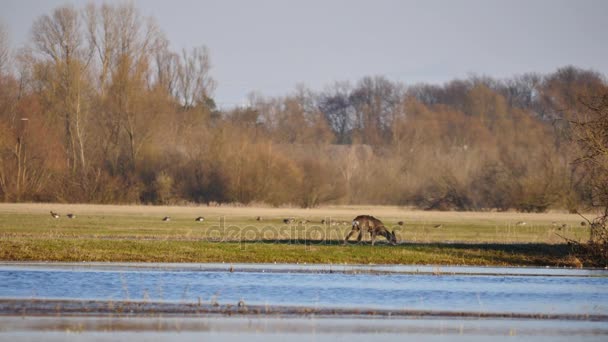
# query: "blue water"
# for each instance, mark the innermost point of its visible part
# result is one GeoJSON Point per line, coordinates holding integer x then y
{"type": "Point", "coordinates": [571, 294]}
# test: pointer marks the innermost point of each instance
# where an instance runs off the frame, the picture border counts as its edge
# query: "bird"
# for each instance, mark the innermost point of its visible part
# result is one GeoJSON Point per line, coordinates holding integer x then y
{"type": "Point", "coordinates": [55, 215]}
{"type": "Point", "coordinates": [583, 223]}
{"type": "Point", "coordinates": [259, 218]}
{"type": "Point", "coordinates": [521, 223]}
{"type": "Point", "coordinates": [199, 219]}
{"type": "Point", "coordinates": [401, 223]}
{"type": "Point", "coordinates": [71, 216]}
{"type": "Point", "coordinates": [438, 226]}
{"type": "Point", "coordinates": [241, 303]}
{"type": "Point", "coordinates": [288, 220]}
{"type": "Point", "coordinates": [323, 221]}
{"type": "Point", "coordinates": [166, 218]}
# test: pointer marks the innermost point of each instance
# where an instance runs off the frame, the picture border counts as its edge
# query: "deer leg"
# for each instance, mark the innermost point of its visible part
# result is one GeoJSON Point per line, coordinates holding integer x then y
{"type": "Point", "coordinates": [360, 236]}
{"type": "Point", "coordinates": [373, 237]}
{"type": "Point", "coordinates": [349, 235]}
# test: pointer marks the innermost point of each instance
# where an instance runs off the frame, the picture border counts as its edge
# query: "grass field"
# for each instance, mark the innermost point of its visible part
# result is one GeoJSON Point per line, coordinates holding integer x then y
{"type": "Point", "coordinates": [232, 234]}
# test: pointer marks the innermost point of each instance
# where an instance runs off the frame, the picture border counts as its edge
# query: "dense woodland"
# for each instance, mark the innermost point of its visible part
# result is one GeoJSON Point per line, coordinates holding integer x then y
{"type": "Point", "coordinates": [99, 109]}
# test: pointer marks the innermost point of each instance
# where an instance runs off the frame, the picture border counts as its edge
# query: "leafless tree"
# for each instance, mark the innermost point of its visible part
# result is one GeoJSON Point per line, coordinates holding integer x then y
{"type": "Point", "coordinates": [58, 40]}
{"type": "Point", "coordinates": [194, 82]}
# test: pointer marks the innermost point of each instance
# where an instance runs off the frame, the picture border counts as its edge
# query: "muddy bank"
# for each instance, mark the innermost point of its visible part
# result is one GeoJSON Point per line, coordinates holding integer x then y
{"type": "Point", "coordinates": [33, 307]}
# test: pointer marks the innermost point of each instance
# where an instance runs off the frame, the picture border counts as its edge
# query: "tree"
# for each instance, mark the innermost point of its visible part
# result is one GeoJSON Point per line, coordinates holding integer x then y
{"type": "Point", "coordinates": [194, 83]}
{"type": "Point", "coordinates": [63, 68]}
{"type": "Point", "coordinates": [335, 104]}
{"type": "Point", "coordinates": [591, 134]}
{"type": "Point", "coordinates": [124, 42]}
{"type": "Point", "coordinates": [376, 101]}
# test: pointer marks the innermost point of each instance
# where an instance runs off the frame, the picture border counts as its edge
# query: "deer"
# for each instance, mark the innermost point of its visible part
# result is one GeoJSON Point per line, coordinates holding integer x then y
{"type": "Point", "coordinates": [373, 226]}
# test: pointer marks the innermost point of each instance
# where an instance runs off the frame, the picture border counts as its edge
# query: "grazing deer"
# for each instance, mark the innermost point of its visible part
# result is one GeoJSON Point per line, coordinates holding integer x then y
{"type": "Point", "coordinates": [372, 225]}
{"type": "Point", "coordinates": [382, 231]}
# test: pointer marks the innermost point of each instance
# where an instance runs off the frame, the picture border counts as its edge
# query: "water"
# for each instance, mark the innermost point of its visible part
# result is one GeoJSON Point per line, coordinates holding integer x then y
{"type": "Point", "coordinates": [268, 329]}
{"type": "Point", "coordinates": [496, 290]}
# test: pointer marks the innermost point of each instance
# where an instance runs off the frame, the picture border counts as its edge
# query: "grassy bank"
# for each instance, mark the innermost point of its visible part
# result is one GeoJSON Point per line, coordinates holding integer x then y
{"type": "Point", "coordinates": [137, 233]}
{"type": "Point", "coordinates": [283, 252]}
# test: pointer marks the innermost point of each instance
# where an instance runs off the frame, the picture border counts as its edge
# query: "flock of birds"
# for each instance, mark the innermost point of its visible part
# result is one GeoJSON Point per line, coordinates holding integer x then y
{"type": "Point", "coordinates": [55, 215]}
{"type": "Point", "coordinates": [289, 220]}
{"type": "Point", "coordinates": [166, 218]}
{"type": "Point", "coordinates": [292, 220]}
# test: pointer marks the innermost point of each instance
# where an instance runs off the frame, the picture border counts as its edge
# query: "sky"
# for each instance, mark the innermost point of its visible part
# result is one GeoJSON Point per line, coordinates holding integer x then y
{"type": "Point", "coordinates": [271, 46]}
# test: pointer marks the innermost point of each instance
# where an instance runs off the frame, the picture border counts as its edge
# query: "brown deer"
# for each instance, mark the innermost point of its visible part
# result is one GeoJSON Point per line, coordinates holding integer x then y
{"type": "Point", "coordinates": [372, 225]}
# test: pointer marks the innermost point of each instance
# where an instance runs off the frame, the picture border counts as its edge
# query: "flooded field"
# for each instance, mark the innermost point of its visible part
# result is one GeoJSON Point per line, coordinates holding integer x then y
{"type": "Point", "coordinates": [212, 299]}
{"type": "Point", "coordinates": [449, 289]}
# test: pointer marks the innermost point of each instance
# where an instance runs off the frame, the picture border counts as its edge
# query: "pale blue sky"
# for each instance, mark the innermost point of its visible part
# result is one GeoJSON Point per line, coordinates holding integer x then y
{"type": "Point", "coordinates": [270, 46]}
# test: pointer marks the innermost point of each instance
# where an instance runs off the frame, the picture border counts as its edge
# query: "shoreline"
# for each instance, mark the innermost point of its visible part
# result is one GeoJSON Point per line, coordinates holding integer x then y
{"type": "Point", "coordinates": [319, 268]}
{"type": "Point", "coordinates": [105, 308]}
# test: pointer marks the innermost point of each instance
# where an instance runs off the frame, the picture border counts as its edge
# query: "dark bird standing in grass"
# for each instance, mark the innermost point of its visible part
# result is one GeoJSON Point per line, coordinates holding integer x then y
{"type": "Point", "coordinates": [55, 215]}
{"type": "Point", "coordinates": [199, 219]}
{"type": "Point", "coordinates": [71, 216]}
{"type": "Point", "coordinates": [166, 218]}
{"type": "Point", "coordinates": [401, 223]}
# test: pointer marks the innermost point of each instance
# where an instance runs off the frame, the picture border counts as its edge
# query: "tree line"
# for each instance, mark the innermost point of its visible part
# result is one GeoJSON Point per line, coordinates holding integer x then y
{"type": "Point", "coordinates": [98, 109]}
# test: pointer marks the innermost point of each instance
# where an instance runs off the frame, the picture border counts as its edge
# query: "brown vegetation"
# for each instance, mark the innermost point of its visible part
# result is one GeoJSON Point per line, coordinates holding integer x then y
{"type": "Point", "coordinates": [99, 110]}
{"type": "Point", "coordinates": [591, 133]}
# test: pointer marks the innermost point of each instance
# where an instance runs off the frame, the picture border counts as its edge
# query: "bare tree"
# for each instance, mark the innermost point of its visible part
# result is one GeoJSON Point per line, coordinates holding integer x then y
{"type": "Point", "coordinates": [194, 83]}
{"type": "Point", "coordinates": [166, 63]}
{"type": "Point", "coordinates": [591, 133]}
{"type": "Point", "coordinates": [124, 42]}
{"type": "Point", "coordinates": [59, 41]}
{"type": "Point", "coordinates": [334, 103]}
